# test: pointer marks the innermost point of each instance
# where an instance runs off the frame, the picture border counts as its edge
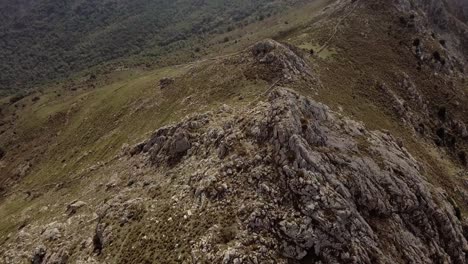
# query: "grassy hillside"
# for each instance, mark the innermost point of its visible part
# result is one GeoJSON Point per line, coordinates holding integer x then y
{"type": "Point", "coordinates": [59, 130]}
{"type": "Point", "coordinates": [48, 39]}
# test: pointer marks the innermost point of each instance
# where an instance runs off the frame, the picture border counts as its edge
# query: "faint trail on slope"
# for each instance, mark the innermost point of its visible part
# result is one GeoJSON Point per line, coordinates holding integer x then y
{"type": "Point", "coordinates": [257, 98]}
{"type": "Point", "coordinates": [335, 29]}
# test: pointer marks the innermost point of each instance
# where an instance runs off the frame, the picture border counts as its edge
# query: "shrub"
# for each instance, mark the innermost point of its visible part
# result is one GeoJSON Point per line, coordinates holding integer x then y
{"type": "Point", "coordinates": [463, 158]}
{"type": "Point", "coordinates": [17, 97]}
{"type": "Point", "coordinates": [2, 153]}
{"type": "Point", "coordinates": [92, 77]}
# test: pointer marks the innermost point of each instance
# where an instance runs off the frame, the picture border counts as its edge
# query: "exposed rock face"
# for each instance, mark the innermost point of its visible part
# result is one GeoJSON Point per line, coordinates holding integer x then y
{"type": "Point", "coordinates": [315, 187]}
{"type": "Point", "coordinates": [277, 62]}
{"type": "Point", "coordinates": [168, 144]}
{"type": "Point", "coordinates": [283, 181]}
{"type": "Point", "coordinates": [351, 203]}
{"type": "Point", "coordinates": [438, 41]}
{"type": "Point", "coordinates": [281, 57]}
{"type": "Point", "coordinates": [448, 18]}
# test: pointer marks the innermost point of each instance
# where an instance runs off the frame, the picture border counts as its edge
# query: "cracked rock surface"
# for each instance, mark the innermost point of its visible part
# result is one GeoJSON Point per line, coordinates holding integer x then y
{"type": "Point", "coordinates": [318, 187]}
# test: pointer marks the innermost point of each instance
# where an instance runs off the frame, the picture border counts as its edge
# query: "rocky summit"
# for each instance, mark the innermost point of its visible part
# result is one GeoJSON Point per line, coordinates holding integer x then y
{"type": "Point", "coordinates": [325, 132]}
{"type": "Point", "coordinates": [308, 184]}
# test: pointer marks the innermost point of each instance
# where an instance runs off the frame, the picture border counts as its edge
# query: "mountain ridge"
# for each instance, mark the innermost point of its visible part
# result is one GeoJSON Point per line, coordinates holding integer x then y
{"type": "Point", "coordinates": [339, 139]}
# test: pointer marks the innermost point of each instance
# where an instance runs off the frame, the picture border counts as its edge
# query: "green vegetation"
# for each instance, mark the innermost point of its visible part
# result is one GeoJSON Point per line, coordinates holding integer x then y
{"type": "Point", "coordinates": [49, 39]}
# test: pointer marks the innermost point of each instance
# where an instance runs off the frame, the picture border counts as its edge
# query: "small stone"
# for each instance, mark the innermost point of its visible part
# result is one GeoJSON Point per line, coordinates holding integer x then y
{"type": "Point", "coordinates": [73, 207]}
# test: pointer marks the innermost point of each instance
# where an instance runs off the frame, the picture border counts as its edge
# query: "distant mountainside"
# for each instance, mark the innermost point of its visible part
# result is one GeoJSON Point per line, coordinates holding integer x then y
{"type": "Point", "coordinates": [449, 19]}
{"type": "Point", "coordinates": [45, 39]}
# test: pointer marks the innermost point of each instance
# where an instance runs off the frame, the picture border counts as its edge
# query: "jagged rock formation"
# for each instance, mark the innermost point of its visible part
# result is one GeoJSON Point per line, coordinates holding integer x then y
{"type": "Point", "coordinates": [289, 181]}
{"type": "Point", "coordinates": [318, 187]}
{"type": "Point", "coordinates": [281, 60]}
{"type": "Point", "coordinates": [274, 62]}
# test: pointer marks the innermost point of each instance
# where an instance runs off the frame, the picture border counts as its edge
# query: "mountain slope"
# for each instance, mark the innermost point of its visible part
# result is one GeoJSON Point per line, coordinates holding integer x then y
{"type": "Point", "coordinates": [343, 140]}
{"type": "Point", "coordinates": [335, 193]}
{"type": "Point", "coordinates": [44, 40]}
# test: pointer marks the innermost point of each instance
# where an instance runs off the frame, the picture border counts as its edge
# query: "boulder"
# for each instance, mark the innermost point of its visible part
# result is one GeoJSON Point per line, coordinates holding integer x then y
{"type": "Point", "coordinates": [39, 255]}
{"type": "Point", "coordinates": [74, 206]}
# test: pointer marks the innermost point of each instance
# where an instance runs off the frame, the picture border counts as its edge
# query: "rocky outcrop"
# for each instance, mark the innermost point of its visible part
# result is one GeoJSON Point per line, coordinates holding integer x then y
{"type": "Point", "coordinates": [286, 180]}
{"type": "Point", "coordinates": [445, 20]}
{"type": "Point", "coordinates": [275, 62]}
{"type": "Point", "coordinates": [281, 58]}
{"type": "Point", "coordinates": [313, 187]}
{"type": "Point", "coordinates": [351, 202]}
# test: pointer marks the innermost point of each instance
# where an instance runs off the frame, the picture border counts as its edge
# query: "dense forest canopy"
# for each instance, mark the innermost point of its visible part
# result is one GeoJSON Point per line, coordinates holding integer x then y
{"type": "Point", "coordinates": [47, 39]}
